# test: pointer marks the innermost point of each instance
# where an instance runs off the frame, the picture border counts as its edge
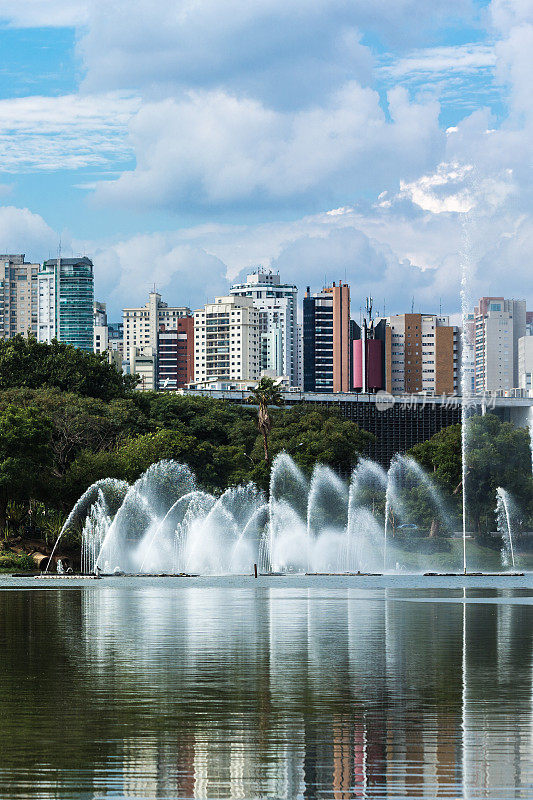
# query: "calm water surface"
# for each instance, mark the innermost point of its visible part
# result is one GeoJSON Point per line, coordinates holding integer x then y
{"type": "Point", "coordinates": [142, 691]}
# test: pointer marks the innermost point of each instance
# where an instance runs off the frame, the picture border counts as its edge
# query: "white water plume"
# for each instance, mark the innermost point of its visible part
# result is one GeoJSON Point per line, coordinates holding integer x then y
{"type": "Point", "coordinates": [165, 524]}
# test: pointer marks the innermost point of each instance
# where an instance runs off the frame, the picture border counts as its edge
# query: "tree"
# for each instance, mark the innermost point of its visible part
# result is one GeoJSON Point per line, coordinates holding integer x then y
{"type": "Point", "coordinates": [25, 456]}
{"type": "Point", "coordinates": [25, 362]}
{"type": "Point", "coordinates": [266, 393]}
{"type": "Point", "coordinates": [498, 454]}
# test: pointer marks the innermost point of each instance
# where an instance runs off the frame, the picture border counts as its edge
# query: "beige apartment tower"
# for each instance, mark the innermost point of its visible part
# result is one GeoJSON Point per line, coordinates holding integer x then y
{"type": "Point", "coordinates": [422, 354]}
{"type": "Point", "coordinates": [18, 291]}
{"type": "Point", "coordinates": [227, 338]}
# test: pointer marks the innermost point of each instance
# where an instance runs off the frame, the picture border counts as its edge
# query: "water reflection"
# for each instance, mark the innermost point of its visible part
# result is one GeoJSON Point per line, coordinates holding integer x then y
{"type": "Point", "coordinates": [181, 693]}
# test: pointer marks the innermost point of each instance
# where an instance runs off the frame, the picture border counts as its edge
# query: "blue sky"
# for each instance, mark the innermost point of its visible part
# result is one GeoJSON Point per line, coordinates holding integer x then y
{"type": "Point", "coordinates": [186, 142]}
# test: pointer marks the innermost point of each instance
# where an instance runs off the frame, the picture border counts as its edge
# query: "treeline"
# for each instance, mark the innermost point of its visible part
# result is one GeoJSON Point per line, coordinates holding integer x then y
{"type": "Point", "coordinates": [68, 418]}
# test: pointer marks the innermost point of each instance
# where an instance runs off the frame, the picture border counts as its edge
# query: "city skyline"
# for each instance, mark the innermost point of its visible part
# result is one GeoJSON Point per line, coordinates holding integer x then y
{"type": "Point", "coordinates": [337, 143]}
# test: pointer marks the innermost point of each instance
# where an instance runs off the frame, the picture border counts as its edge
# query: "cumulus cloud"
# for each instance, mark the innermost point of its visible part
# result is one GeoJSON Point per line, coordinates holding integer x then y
{"type": "Point", "coordinates": [279, 51]}
{"type": "Point", "coordinates": [21, 230]}
{"type": "Point", "coordinates": [184, 273]}
{"type": "Point", "coordinates": [212, 149]}
{"type": "Point", "coordinates": [347, 254]}
{"type": "Point", "coordinates": [43, 13]}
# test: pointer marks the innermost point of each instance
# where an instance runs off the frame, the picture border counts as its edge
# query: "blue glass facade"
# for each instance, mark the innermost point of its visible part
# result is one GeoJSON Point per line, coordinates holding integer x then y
{"type": "Point", "coordinates": [74, 287]}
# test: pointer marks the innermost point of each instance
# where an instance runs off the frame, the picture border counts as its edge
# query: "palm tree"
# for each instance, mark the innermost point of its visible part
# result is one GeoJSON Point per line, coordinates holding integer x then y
{"type": "Point", "coordinates": [266, 393]}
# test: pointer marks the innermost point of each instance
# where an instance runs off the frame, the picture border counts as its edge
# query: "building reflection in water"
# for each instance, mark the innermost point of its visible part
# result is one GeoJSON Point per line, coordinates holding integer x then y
{"type": "Point", "coordinates": [308, 693]}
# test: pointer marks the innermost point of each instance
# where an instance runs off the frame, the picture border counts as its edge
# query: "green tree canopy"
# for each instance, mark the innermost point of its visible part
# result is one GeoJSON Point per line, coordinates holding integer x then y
{"type": "Point", "coordinates": [32, 364]}
{"type": "Point", "coordinates": [498, 454]}
{"type": "Point", "coordinates": [25, 456]}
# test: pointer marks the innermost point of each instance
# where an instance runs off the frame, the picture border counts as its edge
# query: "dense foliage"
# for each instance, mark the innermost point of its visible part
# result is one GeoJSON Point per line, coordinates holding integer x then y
{"type": "Point", "coordinates": [55, 443]}
{"type": "Point", "coordinates": [498, 454]}
{"type": "Point", "coordinates": [66, 441]}
{"type": "Point", "coordinates": [25, 362]}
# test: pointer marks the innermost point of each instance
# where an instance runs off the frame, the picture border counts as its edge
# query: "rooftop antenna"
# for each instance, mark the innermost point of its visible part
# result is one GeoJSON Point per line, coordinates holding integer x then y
{"type": "Point", "coordinates": [413, 305]}
{"type": "Point", "coordinates": [440, 306]}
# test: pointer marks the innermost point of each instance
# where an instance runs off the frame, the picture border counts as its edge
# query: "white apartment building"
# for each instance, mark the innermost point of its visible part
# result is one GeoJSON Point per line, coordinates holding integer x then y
{"type": "Point", "coordinates": [101, 332]}
{"type": "Point", "coordinates": [141, 325]}
{"type": "Point", "coordinates": [46, 304]}
{"type": "Point", "coordinates": [499, 324]}
{"type": "Point", "coordinates": [18, 296]}
{"type": "Point", "coordinates": [424, 354]}
{"type": "Point", "coordinates": [525, 364]}
{"type": "Point", "coordinates": [141, 337]}
{"type": "Point", "coordinates": [278, 303]}
{"type": "Point", "coordinates": [227, 340]}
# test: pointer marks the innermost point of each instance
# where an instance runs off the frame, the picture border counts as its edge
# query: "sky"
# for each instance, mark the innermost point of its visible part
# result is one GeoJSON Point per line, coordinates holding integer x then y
{"type": "Point", "coordinates": [184, 143]}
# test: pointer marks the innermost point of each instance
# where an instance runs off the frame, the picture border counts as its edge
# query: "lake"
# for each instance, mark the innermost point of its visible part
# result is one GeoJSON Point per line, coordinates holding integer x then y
{"type": "Point", "coordinates": [322, 688]}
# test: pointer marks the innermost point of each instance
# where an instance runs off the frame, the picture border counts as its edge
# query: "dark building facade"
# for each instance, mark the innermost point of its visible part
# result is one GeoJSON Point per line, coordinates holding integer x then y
{"type": "Point", "coordinates": [326, 340]}
{"type": "Point", "coordinates": [175, 355]}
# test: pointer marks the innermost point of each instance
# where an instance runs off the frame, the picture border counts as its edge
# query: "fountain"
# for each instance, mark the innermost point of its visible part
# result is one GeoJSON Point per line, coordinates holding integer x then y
{"type": "Point", "coordinates": [165, 524]}
{"type": "Point", "coordinates": [107, 493]}
{"type": "Point", "coordinates": [503, 514]}
{"type": "Point", "coordinates": [530, 427]}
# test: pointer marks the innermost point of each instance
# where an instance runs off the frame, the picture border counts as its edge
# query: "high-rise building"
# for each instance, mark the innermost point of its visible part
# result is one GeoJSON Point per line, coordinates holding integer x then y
{"type": "Point", "coordinates": [142, 325]}
{"type": "Point", "coordinates": [175, 355]}
{"type": "Point", "coordinates": [227, 340]}
{"type": "Point", "coordinates": [525, 363]}
{"type": "Point", "coordinates": [499, 324]}
{"type": "Point", "coordinates": [65, 303]}
{"type": "Point", "coordinates": [422, 354]}
{"type": "Point", "coordinates": [18, 296]}
{"type": "Point", "coordinates": [101, 332]}
{"type": "Point", "coordinates": [107, 336]}
{"type": "Point", "coordinates": [326, 340]}
{"type": "Point", "coordinates": [158, 331]}
{"type": "Point", "coordinates": [142, 362]}
{"type": "Point", "coordinates": [278, 303]}
{"type": "Point", "coordinates": [300, 355]}
{"type": "Point", "coordinates": [369, 345]}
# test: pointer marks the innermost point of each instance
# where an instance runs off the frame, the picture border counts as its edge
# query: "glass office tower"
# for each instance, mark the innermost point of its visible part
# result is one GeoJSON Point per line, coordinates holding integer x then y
{"type": "Point", "coordinates": [66, 298]}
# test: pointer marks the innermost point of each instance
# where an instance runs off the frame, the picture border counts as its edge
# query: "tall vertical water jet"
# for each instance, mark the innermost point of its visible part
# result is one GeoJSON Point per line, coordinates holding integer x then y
{"type": "Point", "coordinates": [393, 502]}
{"type": "Point", "coordinates": [94, 532]}
{"type": "Point", "coordinates": [365, 532]}
{"type": "Point", "coordinates": [327, 516]}
{"type": "Point", "coordinates": [503, 513]}
{"type": "Point", "coordinates": [466, 362]}
{"type": "Point", "coordinates": [530, 427]}
{"type": "Point", "coordinates": [288, 513]}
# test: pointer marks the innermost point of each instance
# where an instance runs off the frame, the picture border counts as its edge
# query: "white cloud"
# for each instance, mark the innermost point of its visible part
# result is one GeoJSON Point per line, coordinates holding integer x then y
{"type": "Point", "coordinates": [269, 48]}
{"type": "Point", "coordinates": [506, 14]}
{"type": "Point", "coordinates": [443, 191]}
{"type": "Point", "coordinates": [23, 231]}
{"type": "Point", "coordinates": [65, 132]}
{"type": "Point", "coordinates": [214, 149]}
{"type": "Point", "coordinates": [43, 13]}
{"type": "Point", "coordinates": [184, 273]}
{"type": "Point", "coordinates": [431, 61]}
